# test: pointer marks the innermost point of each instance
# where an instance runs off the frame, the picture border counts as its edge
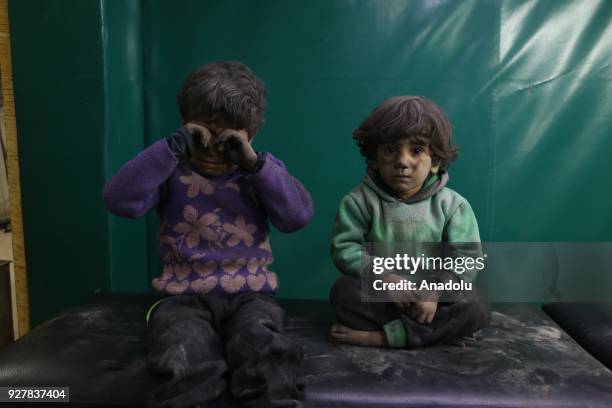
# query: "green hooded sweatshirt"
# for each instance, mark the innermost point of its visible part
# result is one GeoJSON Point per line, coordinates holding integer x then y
{"type": "Point", "coordinates": [370, 213]}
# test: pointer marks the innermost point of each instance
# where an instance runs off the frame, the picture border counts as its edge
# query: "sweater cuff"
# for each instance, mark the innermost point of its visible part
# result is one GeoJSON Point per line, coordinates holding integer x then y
{"type": "Point", "coordinates": [395, 332]}
{"type": "Point", "coordinates": [261, 160]}
{"type": "Point", "coordinates": [179, 143]}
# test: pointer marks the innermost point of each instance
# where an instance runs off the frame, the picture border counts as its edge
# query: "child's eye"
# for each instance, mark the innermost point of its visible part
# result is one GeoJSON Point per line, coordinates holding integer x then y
{"type": "Point", "coordinates": [417, 150]}
{"type": "Point", "coordinates": [390, 149]}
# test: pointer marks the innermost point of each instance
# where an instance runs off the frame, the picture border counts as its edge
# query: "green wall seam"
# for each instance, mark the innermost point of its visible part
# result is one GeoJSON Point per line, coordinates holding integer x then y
{"type": "Point", "coordinates": [122, 42]}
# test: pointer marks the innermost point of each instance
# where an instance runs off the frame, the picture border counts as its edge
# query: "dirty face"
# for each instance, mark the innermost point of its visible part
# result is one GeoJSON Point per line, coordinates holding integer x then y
{"type": "Point", "coordinates": [403, 165]}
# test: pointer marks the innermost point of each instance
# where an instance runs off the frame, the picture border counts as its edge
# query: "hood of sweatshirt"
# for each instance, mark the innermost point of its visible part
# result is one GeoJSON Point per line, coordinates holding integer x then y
{"type": "Point", "coordinates": [433, 183]}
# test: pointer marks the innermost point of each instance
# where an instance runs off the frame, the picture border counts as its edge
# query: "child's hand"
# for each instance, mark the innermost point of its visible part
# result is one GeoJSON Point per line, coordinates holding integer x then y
{"type": "Point", "coordinates": [200, 132]}
{"type": "Point", "coordinates": [401, 298]}
{"type": "Point", "coordinates": [181, 143]}
{"type": "Point", "coordinates": [236, 148]}
{"type": "Point", "coordinates": [424, 312]}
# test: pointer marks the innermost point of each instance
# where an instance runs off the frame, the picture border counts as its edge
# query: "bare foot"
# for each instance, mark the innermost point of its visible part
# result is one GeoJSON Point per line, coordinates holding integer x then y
{"type": "Point", "coordinates": [343, 334]}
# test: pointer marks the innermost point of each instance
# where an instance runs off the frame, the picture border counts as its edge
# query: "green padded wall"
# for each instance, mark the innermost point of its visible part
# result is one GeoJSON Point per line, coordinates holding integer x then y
{"type": "Point", "coordinates": [122, 40]}
{"type": "Point", "coordinates": [527, 86]}
{"type": "Point", "coordinates": [59, 103]}
{"type": "Point", "coordinates": [326, 65]}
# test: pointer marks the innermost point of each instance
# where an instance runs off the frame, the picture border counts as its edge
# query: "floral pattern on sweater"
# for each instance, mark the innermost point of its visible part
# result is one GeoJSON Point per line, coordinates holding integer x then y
{"type": "Point", "coordinates": [214, 234]}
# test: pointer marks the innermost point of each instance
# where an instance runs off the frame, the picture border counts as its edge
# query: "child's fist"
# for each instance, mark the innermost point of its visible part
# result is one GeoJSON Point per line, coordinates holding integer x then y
{"type": "Point", "coordinates": [424, 312]}
{"type": "Point", "coordinates": [181, 142]}
{"type": "Point", "coordinates": [200, 132]}
{"type": "Point", "coordinates": [236, 148]}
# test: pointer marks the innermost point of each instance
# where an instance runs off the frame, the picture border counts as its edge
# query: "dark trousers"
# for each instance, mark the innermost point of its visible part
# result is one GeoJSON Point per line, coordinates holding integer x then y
{"type": "Point", "coordinates": [451, 322]}
{"type": "Point", "coordinates": [222, 352]}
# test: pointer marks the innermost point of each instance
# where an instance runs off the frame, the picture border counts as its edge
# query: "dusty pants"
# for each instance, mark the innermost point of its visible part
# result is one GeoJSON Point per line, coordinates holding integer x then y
{"type": "Point", "coordinates": [451, 322]}
{"type": "Point", "coordinates": [222, 352]}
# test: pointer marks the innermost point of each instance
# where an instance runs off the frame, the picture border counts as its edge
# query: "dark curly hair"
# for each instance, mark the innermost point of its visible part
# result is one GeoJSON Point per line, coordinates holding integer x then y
{"type": "Point", "coordinates": [412, 117]}
{"type": "Point", "coordinates": [224, 92]}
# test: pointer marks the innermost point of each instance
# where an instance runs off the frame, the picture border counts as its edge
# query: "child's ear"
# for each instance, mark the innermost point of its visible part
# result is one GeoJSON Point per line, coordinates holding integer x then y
{"type": "Point", "coordinates": [435, 168]}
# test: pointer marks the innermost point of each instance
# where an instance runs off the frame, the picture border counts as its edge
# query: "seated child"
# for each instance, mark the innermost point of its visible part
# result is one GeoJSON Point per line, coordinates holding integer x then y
{"type": "Point", "coordinates": [218, 326]}
{"type": "Point", "coordinates": [406, 142]}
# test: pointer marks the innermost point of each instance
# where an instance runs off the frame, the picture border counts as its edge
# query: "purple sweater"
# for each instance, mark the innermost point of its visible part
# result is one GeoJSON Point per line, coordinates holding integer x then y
{"type": "Point", "coordinates": [213, 234]}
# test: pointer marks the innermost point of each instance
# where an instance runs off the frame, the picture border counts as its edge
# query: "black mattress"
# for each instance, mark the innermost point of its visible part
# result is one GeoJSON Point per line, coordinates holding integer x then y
{"type": "Point", "coordinates": [522, 360]}
{"type": "Point", "coordinates": [590, 324]}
